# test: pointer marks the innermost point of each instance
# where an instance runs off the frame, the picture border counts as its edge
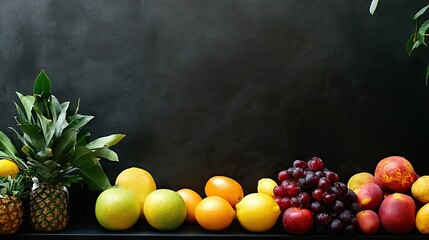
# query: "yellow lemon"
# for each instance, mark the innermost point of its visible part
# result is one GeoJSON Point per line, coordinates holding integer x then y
{"type": "Point", "coordinates": [266, 185]}
{"type": "Point", "coordinates": [420, 189]}
{"type": "Point", "coordinates": [138, 181]}
{"type": "Point", "coordinates": [7, 168]}
{"type": "Point", "coordinates": [257, 212]}
{"type": "Point", "coordinates": [117, 209]}
{"type": "Point", "coordinates": [164, 209]}
{"type": "Point", "coordinates": [422, 219]}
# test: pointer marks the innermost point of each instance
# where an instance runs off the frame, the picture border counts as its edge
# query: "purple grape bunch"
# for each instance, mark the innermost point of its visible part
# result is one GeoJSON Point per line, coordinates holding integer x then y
{"type": "Point", "coordinates": [312, 186]}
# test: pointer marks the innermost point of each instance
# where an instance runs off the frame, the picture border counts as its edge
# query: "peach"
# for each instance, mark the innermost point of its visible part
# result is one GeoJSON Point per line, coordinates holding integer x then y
{"type": "Point", "coordinates": [395, 174]}
{"type": "Point", "coordinates": [359, 179]}
{"type": "Point", "coordinates": [397, 213]}
{"type": "Point", "coordinates": [368, 222]}
{"type": "Point", "coordinates": [369, 196]}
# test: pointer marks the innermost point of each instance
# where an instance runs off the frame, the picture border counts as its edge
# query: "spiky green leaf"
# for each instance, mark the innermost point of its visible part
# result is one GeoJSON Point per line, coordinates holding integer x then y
{"type": "Point", "coordinates": [95, 178]}
{"type": "Point", "coordinates": [84, 158]}
{"type": "Point", "coordinates": [106, 153]}
{"type": "Point", "coordinates": [412, 44]}
{"type": "Point", "coordinates": [78, 121]}
{"type": "Point", "coordinates": [33, 137]}
{"type": "Point", "coordinates": [7, 146]}
{"type": "Point", "coordinates": [65, 144]}
{"type": "Point", "coordinates": [28, 103]}
{"type": "Point", "coordinates": [48, 128]}
{"type": "Point", "coordinates": [42, 85]}
{"type": "Point", "coordinates": [61, 123]}
{"type": "Point", "coordinates": [108, 141]}
{"type": "Point", "coordinates": [21, 118]}
{"type": "Point", "coordinates": [421, 12]}
{"type": "Point", "coordinates": [421, 33]}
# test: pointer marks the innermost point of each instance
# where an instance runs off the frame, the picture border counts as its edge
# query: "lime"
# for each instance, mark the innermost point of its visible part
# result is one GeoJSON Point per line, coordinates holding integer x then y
{"type": "Point", "coordinates": [164, 209]}
{"type": "Point", "coordinates": [117, 209]}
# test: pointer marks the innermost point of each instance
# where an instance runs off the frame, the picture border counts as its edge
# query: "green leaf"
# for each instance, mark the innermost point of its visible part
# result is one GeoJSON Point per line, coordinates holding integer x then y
{"type": "Point", "coordinates": [421, 33]}
{"type": "Point", "coordinates": [48, 128]}
{"type": "Point", "coordinates": [28, 103]}
{"type": "Point", "coordinates": [421, 12]}
{"type": "Point", "coordinates": [373, 6]}
{"type": "Point", "coordinates": [95, 178]}
{"type": "Point", "coordinates": [65, 144]}
{"type": "Point", "coordinates": [108, 141]}
{"type": "Point", "coordinates": [21, 119]}
{"type": "Point", "coordinates": [7, 146]}
{"type": "Point", "coordinates": [411, 45]}
{"type": "Point", "coordinates": [44, 154]}
{"type": "Point", "coordinates": [54, 108]}
{"type": "Point", "coordinates": [83, 137]}
{"type": "Point", "coordinates": [84, 158]}
{"type": "Point", "coordinates": [61, 123]}
{"type": "Point", "coordinates": [106, 153]}
{"type": "Point", "coordinates": [42, 85]}
{"type": "Point", "coordinates": [78, 121]}
{"type": "Point", "coordinates": [33, 136]}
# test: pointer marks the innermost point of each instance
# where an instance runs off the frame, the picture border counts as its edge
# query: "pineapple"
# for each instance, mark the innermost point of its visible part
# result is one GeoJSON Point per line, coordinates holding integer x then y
{"type": "Point", "coordinates": [58, 153]}
{"type": "Point", "coordinates": [12, 190]}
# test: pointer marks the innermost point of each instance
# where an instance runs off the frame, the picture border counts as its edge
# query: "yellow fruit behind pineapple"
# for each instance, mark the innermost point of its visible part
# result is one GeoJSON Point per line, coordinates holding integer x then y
{"type": "Point", "coordinates": [7, 168]}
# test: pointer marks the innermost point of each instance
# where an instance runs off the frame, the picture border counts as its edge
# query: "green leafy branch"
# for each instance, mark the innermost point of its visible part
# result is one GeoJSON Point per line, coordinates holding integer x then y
{"type": "Point", "coordinates": [418, 37]}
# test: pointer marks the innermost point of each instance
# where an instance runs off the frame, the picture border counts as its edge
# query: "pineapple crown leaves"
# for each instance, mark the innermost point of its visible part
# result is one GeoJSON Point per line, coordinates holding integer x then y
{"type": "Point", "coordinates": [55, 140]}
{"type": "Point", "coordinates": [18, 187]}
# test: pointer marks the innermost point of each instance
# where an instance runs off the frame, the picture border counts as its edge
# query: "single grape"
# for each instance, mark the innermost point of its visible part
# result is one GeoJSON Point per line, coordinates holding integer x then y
{"type": "Point", "coordinates": [335, 191]}
{"type": "Point", "coordinates": [315, 164]}
{"type": "Point", "coordinates": [338, 206]}
{"type": "Point", "coordinates": [285, 203]}
{"type": "Point", "coordinates": [297, 173]}
{"type": "Point", "coordinates": [323, 218]}
{"type": "Point", "coordinates": [350, 196]}
{"type": "Point", "coordinates": [279, 191]}
{"type": "Point", "coordinates": [292, 189]}
{"type": "Point", "coordinates": [336, 226]}
{"type": "Point", "coordinates": [316, 207]}
{"type": "Point", "coordinates": [301, 183]}
{"type": "Point", "coordinates": [294, 202]}
{"type": "Point", "coordinates": [345, 217]}
{"type": "Point", "coordinates": [283, 175]}
{"type": "Point", "coordinates": [355, 207]}
{"type": "Point", "coordinates": [329, 198]}
{"type": "Point", "coordinates": [311, 180]}
{"type": "Point", "coordinates": [324, 183]}
{"type": "Point", "coordinates": [342, 186]}
{"type": "Point", "coordinates": [300, 164]}
{"type": "Point", "coordinates": [304, 200]}
{"type": "Point", "coordinates": [318, 194]}
{"type": "Point", "coordinates": [331, 176]}
{"type": "Point", "coordinates": [355, 221]}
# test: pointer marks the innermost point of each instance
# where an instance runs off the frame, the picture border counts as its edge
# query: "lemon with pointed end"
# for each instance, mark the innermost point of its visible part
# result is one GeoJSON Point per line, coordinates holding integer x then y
{"type": "Point", "coordinates": [266, 185]}
{"type": "Point", "coordinates": [257, 212]}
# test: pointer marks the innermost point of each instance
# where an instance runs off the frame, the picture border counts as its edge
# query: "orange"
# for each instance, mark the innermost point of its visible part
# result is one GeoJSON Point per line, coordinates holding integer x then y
{"type": "Point", "coordinates": [138, 181]}
{"type": "Point", "coordinates": [224, 187]}
{"type": "Point", "coordinates": [214, 213]}
{"type": "Point", "coordinates": [191, 199]}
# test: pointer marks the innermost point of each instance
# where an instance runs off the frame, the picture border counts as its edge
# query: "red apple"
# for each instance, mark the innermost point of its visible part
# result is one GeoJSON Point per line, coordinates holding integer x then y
{"type": "Point", "coordinates": [395, 174]}
{"type": "Point", "coordinates": [368, 222]}
{"type": "Point", "coordinates": [369, 196]}
{"type": "Point", "coordinates": [297, 220]}
{"type": "Point", "coordinates": [397, 213]}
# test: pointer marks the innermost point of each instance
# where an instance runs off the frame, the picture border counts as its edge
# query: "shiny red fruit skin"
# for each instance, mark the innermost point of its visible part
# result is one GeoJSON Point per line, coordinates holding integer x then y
{"type": "Point", "coordinates": [297, 221]}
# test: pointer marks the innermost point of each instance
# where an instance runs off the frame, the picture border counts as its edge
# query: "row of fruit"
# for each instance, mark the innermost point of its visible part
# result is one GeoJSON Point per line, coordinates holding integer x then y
{"type": "Point", "coordinates": [308, 197]}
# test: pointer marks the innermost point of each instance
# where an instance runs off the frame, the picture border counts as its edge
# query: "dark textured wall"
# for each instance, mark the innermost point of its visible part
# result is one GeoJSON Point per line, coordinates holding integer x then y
{"type": "Point", "coordinates": [227, 87]}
